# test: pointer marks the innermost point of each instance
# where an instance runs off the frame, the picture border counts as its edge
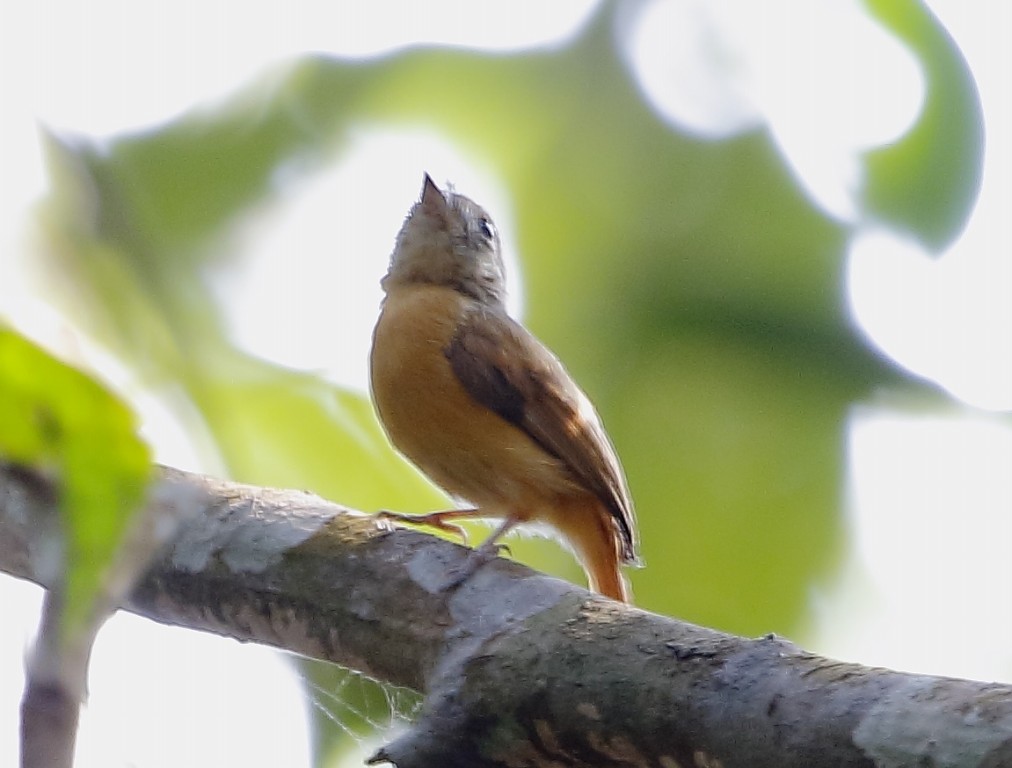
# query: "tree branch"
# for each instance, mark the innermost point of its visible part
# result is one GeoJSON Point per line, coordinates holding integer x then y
{"type": "Point", "coordinates": [519, 668]}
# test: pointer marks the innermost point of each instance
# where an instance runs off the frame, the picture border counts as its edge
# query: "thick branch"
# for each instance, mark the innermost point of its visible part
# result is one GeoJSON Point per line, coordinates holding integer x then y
{"type": "Point", "coordinates": [519, 668]}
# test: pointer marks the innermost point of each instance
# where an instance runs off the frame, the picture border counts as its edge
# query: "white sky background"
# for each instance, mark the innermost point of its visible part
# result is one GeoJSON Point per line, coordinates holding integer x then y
{"type": "Point", "coordinates": [104, 67]}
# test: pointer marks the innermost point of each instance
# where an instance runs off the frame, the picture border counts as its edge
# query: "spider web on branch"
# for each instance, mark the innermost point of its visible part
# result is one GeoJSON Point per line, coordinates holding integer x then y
{"type": "Point", "coordinates": [353, 714]}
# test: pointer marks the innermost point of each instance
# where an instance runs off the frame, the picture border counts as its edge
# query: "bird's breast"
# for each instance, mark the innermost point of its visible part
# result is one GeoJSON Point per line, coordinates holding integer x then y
{"type": "Point", "coordinates": [430, 417]}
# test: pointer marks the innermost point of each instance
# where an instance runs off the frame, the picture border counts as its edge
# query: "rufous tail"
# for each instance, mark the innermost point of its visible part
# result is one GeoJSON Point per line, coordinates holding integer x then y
{"type": "Point", "coordinates": [589, 529]}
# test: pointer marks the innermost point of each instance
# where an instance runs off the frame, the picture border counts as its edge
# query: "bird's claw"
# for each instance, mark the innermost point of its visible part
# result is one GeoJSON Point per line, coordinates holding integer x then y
{"type": "Point", "coordinates": [495, 548]}
{"type": "Point", "coordinates": [432, 519]}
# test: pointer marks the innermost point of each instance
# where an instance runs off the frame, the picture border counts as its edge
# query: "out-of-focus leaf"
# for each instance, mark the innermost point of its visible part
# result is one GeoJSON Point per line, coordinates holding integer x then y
{"type": "Point", "coordinates": [927, 182]}
{"type": "Point", "coordinates": [57, 420]}
{"type": "Point", "coordinates": [290, 429]}
{"type": "Point", "coordinates": [764, 467]}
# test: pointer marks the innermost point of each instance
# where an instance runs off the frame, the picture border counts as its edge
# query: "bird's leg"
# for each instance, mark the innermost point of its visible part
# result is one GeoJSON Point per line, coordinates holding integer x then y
{"type": "Point", "coordinates": [478, 556]}
{"type": "Point", "coordinates": [440, 520]}
{"type": "Point", "coordinates": [491, 545]}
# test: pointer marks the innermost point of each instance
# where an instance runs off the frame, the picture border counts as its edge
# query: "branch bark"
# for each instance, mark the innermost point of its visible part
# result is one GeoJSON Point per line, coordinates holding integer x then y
{"type": "Point", "coordinates": [519, 668]}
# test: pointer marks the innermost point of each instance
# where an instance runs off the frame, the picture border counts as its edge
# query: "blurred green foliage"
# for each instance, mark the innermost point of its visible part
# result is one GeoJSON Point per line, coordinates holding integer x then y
{"type": "Point", "coordinates": [926, 183]}
{"type": "Point", "coordinates": [689, 285]}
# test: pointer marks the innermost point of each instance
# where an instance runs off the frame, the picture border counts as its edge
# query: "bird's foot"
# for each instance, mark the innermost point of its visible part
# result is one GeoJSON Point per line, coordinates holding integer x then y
{"type": "Point", "coordinates": [475, 559]}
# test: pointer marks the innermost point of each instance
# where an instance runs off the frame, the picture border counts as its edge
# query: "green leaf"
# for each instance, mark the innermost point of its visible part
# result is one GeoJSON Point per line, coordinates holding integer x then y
{"type": "Point", "coordinates": [59, 421]}
{"type": "Point", "coordinates": [927, 182]}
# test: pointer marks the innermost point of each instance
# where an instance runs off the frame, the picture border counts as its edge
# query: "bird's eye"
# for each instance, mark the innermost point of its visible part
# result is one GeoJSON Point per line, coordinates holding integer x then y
{"type": "Point", "coordinates": [486, 228]}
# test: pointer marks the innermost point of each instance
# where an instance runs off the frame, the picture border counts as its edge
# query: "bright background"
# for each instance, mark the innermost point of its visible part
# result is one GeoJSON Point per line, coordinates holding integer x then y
{"type": "Point", "coordinates": [770, 240]}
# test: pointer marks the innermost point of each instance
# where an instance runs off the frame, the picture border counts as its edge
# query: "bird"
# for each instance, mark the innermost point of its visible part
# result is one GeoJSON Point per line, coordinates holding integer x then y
{"type": "Point", "coordinates": [485, 410]}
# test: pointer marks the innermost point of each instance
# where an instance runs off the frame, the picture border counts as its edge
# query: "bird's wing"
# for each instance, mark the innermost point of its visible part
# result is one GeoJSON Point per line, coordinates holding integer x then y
{"type": "Point", "coordinates": [503, 367]}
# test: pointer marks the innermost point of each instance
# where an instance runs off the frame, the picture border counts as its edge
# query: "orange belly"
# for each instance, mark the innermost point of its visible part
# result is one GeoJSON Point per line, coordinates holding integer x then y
{"type": "Point", "coordinates": [464, 447]}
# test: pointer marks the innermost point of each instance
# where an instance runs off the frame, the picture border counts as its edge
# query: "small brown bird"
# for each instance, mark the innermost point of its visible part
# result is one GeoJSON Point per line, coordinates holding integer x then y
{"type": "Point", "coordinates": [481, 406]}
